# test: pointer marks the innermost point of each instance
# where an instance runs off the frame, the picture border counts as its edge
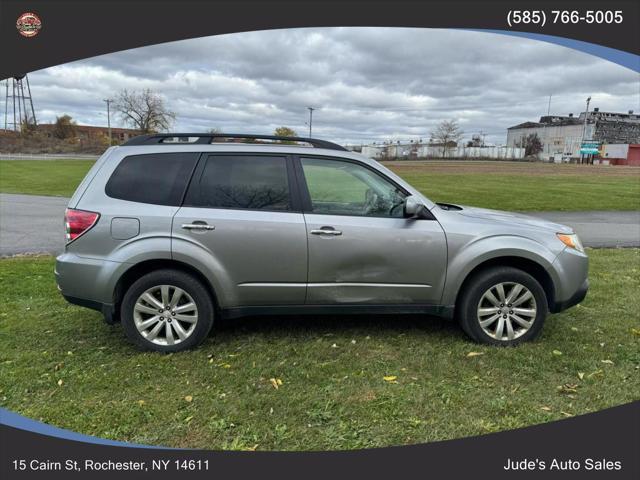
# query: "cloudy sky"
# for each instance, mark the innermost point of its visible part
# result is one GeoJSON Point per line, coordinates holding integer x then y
{"type": "Point", "coordinates": [367, 84]}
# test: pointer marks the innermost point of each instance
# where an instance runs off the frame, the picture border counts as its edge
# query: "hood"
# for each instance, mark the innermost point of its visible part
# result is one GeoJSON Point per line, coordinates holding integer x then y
{"type": "Point", "coordinates": [511, 218]}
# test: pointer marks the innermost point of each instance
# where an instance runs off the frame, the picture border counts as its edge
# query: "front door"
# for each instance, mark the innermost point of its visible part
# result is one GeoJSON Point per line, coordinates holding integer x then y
{"type": "Point", "coordinates": [362, 250]}
{"type": "Point", "coordinates": [238, 219]}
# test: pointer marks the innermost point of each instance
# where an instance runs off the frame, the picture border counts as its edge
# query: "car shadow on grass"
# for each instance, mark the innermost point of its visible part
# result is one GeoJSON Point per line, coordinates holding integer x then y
{"type": "Point", "coordinates": [298, 325]}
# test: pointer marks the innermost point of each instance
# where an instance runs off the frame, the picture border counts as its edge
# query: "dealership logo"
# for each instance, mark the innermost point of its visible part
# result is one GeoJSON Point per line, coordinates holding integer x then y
{"type": "Point", "coordinates": [28, 24]}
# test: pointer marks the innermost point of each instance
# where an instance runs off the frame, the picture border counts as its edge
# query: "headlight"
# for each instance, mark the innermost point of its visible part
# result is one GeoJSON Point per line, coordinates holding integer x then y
{"type": "Point", "coordinates": [571, 241]}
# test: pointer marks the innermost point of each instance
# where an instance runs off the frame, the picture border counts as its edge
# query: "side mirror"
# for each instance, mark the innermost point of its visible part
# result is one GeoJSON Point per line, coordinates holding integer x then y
{"type": "Point", "coordinates": [413, 208]}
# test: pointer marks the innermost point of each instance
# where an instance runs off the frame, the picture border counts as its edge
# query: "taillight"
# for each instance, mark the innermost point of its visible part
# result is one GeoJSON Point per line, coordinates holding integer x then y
{"type": "Point", "coordinates": [77, 222]}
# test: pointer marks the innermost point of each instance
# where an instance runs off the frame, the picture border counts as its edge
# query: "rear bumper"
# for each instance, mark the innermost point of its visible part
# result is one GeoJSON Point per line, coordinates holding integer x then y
{"type": "Point", "coordinates": [80, 281]}
{"type": "Point", "coordinates": [108, 310]}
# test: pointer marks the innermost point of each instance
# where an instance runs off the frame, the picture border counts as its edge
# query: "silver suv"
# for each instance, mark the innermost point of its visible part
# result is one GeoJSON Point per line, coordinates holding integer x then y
{"type": "Point", "coordinates": [168, 232]}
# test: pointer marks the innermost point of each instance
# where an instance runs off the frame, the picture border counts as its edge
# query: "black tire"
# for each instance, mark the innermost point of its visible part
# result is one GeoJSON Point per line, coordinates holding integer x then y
{"type": "Point", "coordinates": [475, 288]}
{"type": "Point", "coordinates": [192, 286]}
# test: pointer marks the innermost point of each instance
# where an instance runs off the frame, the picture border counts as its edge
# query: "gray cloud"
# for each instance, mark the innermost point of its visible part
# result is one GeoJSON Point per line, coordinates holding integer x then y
{"type": "Point", "coordinates": [367, 84]}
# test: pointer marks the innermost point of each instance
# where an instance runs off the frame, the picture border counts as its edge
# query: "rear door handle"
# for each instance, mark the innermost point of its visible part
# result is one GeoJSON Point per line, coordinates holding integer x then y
{"type": "Point", "coordinates": [197, 226]}
{"type": "Point", "coordinates": [326, 231]}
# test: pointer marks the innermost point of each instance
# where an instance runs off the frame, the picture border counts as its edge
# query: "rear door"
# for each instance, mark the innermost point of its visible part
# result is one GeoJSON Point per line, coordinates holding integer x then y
{"type": "Point", "coordinates": [241, 209]}
{"type": "Point", "coordinates": [361, 248]}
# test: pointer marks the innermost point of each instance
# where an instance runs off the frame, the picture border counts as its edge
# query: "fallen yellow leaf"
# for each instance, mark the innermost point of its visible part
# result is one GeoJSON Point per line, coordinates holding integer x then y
{"type": "Point", "coordinates": [608, 362]}
{"type": "Point", "coordinates": [141, 402]}
{"type": "Point", "coordinates": [474, 354]}
{"type": "Point", "coordinates": [568, 388]}
{"type": "Point", "coordinates": [557, 352]}
{"type": "Point", "coordinates": [390, 378]}
{"type": "Point", "coordinates": [188, 398]}
{"type": "Point", "coordinates": [275, 383]}
{"type": "Point", "coordinates": [546, 409]}
{"type": "Point", "coordinates": [60, 382]}
{"type": "Point", "coordinates": [580, 375]}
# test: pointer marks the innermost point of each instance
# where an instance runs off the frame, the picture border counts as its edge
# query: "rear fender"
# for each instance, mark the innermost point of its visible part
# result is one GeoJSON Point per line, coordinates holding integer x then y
{"type": "Point", "coordinates": [206, 261]}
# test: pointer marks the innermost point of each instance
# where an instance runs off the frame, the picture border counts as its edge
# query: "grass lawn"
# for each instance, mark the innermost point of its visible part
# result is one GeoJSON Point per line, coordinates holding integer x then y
{"type": "Point", "coordinates": [519, 186]}
{"type": "Point", "coordinates": [524, 186]}
{"type": "Point", "coordinates": [522, 193]}
{"type": "Point", "coordinates": [42, 177]}
{"type": "Point", "coordinates": [342, 382]}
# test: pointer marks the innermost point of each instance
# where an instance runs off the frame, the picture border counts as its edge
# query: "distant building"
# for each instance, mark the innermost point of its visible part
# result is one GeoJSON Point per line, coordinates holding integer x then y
{"type": "Point", "coordinates": [417, 150]}
{"type": "Point", "coordinates": [87, 132]}
{"type": "Point", "coordinates": [561, 136]}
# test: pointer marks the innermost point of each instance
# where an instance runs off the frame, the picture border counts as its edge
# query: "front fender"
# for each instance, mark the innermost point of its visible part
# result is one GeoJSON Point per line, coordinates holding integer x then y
{"type": "Point", "coordinates": [469, 256]}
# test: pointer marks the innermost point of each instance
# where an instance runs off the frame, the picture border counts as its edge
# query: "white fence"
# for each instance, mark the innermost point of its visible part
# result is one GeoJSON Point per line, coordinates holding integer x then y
{"type": "Point", "coordinates": [412, 151]}
{"type": "Point", "coordinates": [47, 156]}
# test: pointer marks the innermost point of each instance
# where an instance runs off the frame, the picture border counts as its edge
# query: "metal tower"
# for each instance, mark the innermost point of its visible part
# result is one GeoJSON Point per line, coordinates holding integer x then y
{"type": "Point", "coordinates": [21, 113]}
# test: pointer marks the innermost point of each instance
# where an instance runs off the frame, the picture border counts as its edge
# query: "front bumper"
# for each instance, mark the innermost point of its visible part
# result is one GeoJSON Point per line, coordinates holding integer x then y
{"type": "Point", "coordinates": [574, 300]}
{"type": "Point", "coordinates": [571, 270]}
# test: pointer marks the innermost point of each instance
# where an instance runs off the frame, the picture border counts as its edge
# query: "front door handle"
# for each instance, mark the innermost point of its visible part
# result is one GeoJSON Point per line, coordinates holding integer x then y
{"type": "Point", "coordinates": [197, 226]}
{"type": "Point", "coordinates": [326, 231]}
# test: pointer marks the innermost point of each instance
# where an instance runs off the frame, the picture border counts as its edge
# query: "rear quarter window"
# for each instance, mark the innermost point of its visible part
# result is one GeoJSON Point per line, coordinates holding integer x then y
{"type": "Point", "coordinates": [158, 178]}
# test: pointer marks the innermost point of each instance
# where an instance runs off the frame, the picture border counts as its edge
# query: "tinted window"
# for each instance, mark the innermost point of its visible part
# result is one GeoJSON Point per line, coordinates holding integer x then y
{"type": "Point", "coordinates": [238, 181]}
{"type": "Point", "coordinates": [156, 178]}
{"type": "Point", "coordinates": [346, 188]}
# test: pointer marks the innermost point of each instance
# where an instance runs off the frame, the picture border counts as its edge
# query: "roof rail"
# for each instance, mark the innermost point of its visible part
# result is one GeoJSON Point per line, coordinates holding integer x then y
{"type": "Point", "coordinates": [207, 138]}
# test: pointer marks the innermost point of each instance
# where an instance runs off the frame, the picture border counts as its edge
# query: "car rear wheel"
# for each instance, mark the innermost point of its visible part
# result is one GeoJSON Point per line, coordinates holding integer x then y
{"type": "Point", "coordinates": [167, 311]}
{"type": "Point", "coordinates": [502, 306]}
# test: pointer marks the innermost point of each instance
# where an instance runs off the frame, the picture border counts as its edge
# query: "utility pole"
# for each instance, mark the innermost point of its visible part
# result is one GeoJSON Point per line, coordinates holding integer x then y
{"type": "Point", "coordinates": [311, 109]}
{"type": "Point", "coordinates": [584, 128]}
{"type": "Point", "coordinates": [545, 145]}
{"type": "Point", "coordinates": [6, 103]}
{"type": "Point", "coordinates": [108, 102]}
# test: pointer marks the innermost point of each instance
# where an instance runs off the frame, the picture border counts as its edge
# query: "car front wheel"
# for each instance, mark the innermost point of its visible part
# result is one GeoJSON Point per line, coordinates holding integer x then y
{"type": "Point", "coordinates": [502, 306]}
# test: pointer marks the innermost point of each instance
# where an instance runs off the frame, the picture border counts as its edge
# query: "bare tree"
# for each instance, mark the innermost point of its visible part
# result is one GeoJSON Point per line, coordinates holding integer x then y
{"type": "Point", "coordinates": [446, 134]}
{"type": "Point", "coordinates": [531, 143]}
{"type": "Point", "coordinates": [144, 111]}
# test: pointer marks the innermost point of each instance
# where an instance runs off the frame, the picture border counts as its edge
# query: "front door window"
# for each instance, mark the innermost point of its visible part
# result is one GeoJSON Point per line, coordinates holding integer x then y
{"type": "Point", "coordinates": [346, 188]}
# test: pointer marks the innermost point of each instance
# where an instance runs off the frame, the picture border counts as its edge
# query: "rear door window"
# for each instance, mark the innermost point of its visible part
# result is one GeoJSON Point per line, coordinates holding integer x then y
{"type": "Point", "coordinates": [159, 178]}
{"type": "Point", "coordinates": [252, 182]}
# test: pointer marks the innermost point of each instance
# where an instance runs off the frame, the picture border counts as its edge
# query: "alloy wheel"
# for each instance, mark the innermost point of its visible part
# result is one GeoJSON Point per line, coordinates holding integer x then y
{"type": "Point", "coordinates": [165, 315]}
{"type": "Point", "coordinates": [507, 311]}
